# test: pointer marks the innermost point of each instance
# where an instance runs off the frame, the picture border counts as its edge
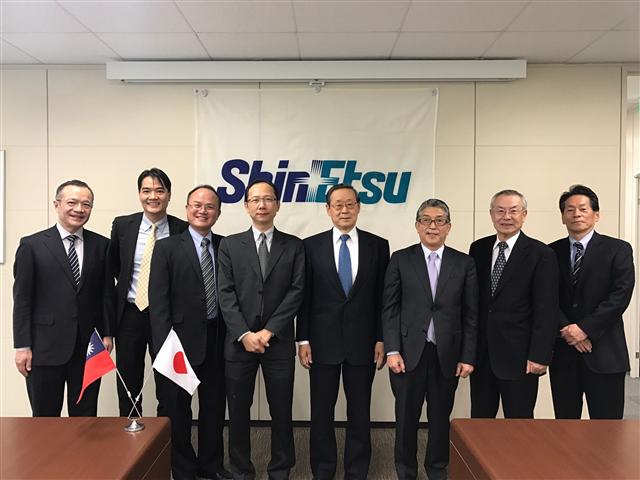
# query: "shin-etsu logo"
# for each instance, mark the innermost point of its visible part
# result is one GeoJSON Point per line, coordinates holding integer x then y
{"type": "Point", "coordinates": [312, 186]}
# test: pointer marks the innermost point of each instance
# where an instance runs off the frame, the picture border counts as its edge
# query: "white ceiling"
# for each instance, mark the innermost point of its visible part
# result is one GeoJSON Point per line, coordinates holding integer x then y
{"type": "Point", "coordinates": [95, 32]}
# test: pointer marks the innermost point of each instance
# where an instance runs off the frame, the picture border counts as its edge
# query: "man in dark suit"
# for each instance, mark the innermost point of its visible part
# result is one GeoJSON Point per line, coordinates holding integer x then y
{"type": "Point", "coordinates": [596, 284]}
{"type": "Point", "coordinates": [132, 242]}
{"type": "Point", "coordinates": [62, 291]}
{"type": "Point", "coordinates": [518, 279]}
{"type": "Point", "coordinates": [261, 289]}
{"type": "Point", "coordinates": [340, 330]}
{"type": "Point", "coordinates": [183, 296]}
{"type": "Point", "coordinates": [430, 325]}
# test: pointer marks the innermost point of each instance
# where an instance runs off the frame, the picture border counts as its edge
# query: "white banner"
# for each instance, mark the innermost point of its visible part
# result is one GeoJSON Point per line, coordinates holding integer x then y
{"type": "Point", "coordinates": [379, 139]}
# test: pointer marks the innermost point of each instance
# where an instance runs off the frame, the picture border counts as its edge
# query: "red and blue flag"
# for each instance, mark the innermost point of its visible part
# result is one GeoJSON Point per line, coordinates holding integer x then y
{"type": "Point", "coordinates": [97, 363]}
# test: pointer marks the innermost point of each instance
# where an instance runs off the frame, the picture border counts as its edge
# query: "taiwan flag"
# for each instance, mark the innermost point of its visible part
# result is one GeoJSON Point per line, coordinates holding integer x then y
{"type": "Point", "coordinates": [97, 363]}
{"type": "Point", "coordinates": [172, 362]}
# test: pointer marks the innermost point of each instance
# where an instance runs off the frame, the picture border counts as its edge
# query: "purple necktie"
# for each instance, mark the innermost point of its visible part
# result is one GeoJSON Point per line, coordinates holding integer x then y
{"type": "Point", "coordinates": [433, 280]}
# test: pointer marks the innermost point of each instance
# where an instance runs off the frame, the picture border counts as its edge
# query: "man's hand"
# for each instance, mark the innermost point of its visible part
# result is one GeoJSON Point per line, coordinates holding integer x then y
{"type": "Point", "coordinates": [573, 334]}
{"type": "Point", "coordinates": [304, 354]}
{"type": "Point", "coordinates": [536, 368]}
{"type": "Point", "coordinates": [23, 361]}
{"type": "Point", "coordinates": [378, 355]}
{"type": "Point", "coordinates": [464, 370]}
{"type": "Point", "coordinates": [584, 346]}
{"type": "Point", "coordinates": [252, 343]}
{"type": "Point", "coordinates": [108, 343]}
{"type": "Point", "coordinates": [264, 335]}
{"type": "Point", "coordinates": [396, 363]}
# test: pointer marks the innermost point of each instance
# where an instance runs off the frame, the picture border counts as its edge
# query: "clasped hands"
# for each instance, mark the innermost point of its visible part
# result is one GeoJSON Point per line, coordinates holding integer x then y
{"type": "Point", "coordinates": [576, 337]}
{"type": "Point", "coordinates": [257, 342]}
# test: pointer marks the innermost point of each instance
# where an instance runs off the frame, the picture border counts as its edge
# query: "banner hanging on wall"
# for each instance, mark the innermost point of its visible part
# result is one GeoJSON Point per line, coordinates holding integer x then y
{"type": "Point", "coordinates": [379, 139]}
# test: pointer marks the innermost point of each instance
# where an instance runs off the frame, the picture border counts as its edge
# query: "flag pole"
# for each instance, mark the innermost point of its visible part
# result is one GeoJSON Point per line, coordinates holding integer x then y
{"type": "Point", "coordinates": [139, 395]}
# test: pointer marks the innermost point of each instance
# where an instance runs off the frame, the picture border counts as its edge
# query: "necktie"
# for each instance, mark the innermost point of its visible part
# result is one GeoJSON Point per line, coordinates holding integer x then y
{"type": "Point", "coordinates": [577, 262]}
{"type": "Point", "coordinates": [498, 267]}
{"type": "Point", "coordinates": [432, 268]}
{"type": "Point", "coordinates": [344, 264]}
{"type": "Point", "coordinates": [142, 290]}
{"type": "Point", "coordinates": [209, 278]}
{"type": "Point", "coordinates": [263, 254]}
{"type": "Point", "coordinates": [72, 255]}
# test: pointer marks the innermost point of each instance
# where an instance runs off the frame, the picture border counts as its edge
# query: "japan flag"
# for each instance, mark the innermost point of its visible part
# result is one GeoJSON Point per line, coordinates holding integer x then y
{"type": "Point", "coordinates": [172, 362]}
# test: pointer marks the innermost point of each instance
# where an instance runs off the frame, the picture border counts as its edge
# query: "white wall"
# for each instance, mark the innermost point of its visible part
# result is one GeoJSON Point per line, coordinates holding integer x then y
{"type": "Point", "coordinates": [558, 127]}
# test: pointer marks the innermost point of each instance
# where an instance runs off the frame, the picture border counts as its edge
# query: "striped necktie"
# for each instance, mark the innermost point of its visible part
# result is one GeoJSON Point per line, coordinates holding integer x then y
{"type": "Point", "coordinates": [209, 278]}
{"type": "Point", "coordinates": [142, 290]}
{"type": "Point", "coordinates": [72, 255]}
{"type": "Point", "coordinates": [577, 262]}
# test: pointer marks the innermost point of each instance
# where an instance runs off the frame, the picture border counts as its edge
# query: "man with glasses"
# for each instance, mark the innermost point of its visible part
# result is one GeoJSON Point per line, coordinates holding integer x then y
{"type": "Point", "coordinates": [518, 278]}
{"type": "Point", "coordinates": [183, 296]}
{"type": "Point", "coordinates": [339, 330]}
{"type": "Point", "coordinates": [61, 292]}
{"type": "Point", "coordinates": [261, 289]}
{"type": "Point", "coordinates": [132, 242]}
{"type": "Point", "coordinates": [430, 326]}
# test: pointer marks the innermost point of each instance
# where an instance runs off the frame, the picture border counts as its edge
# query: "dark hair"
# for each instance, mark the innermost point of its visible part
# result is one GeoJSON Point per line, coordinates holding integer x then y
{"type": "Point", "coordinates": [509, 192]}
{"type": "Point", "coordinates": [73, 183]}
{"type": "Point", "coordinates": [158, 174]}
{"type": "Point", "coordinates": [261, 180]}
{"type": "Point", "coordinates": [207, 187]}
{"type": "Point", "coordinates": [580, 190]}
{"type": "Point", "coordinates": [436, 203]}
{"type": "Point", "coordinates": [341, 186]}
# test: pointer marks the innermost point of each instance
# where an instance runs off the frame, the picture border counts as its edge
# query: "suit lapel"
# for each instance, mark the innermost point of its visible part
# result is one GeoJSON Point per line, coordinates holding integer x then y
{"type": "Point", "coordinates": [564, 262]}
{"type": "Point", "coordinates": [326, 253]}
{"type": "Point", "coordinates": [446, 268]}
{"type": "Point", "coordinates": [518, 255]}
{"type": "Point", "coordinates": [589, 261]}
{"type": "Point", "coordinates": [130, 240]}
{"type": "Point", "coordinates": [419, 265]}
{"type": "Point", "coordinates": [277, 248]}
{"type": "Point", "coordinates": [364, 253]}
{"type": "Point", "coordinates": [89, 255]}
{"type": "Point", "coordinates": [250, 245]}
{"type": "Point", "coordinates": [189, 250]}
{"type": "Point", "coordinates": [54, 244]}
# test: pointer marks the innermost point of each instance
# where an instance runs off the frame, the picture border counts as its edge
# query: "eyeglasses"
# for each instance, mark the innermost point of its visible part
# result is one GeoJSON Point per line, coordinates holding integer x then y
{"type": "Point", "coordinates": [339, 206]}
{"type": "Point", "coordinates": [266, 200]}
{"type": "Point", "coordinates": [427, 221]}
{"type": "Point", "coordinates": [502, 212]}
{"type": "Point", "coordinates": [74, 203]}
{"type": "Point", "coordinates": [208, 207]}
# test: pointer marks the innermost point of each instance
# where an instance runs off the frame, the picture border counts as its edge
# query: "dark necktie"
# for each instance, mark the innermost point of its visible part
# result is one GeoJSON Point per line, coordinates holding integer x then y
{"type": "Point", "coordinates": [498, 267]}
{"type": "Point", "coordinates": [344, 265]}
{"type": "Point", "coordinates": [263, 254]}
{"type": "Point", "coordinates": [72, 255]}
{"type": "Point", "coordinates": [208, 277]}
{"type": "Point", "coordinates": [577, 262]}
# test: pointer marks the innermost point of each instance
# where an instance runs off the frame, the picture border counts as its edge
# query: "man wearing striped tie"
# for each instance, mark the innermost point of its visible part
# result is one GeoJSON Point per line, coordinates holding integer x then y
{"type": "Point", "coordinates": [596, 283]}
{"type": "Point", "coordinates": [61, 293]}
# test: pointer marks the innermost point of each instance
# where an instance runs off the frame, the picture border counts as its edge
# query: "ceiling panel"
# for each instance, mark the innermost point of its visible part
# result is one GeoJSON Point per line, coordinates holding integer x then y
{"type": "Point", "coordinates": [461, 16]}
{"type": "Point", "coordinates": [31, 17]}
{"type": "Point", "coordinates": [551, 47]}
{"type": "Point", "coordinates": [155, 46]}
{"type": "Point", "coordinates": [125, 16]}
{"type": "Point", "coordinates": [614, 46]}
{"type": "Point", "coordinates": [350, 45]}
{"type": "Point", "coordinates": [62, 48]}
{"type": "Point", "coordinates": [250, 46]}
{"type": "Point", "coordinates": [350, 16]}
{"type": "Point", "coordinates": [11, 55]}
{"type": "Point", "coordinates": [239, 16]}
{"type": "Point", "coordinates": [571, 16]}
{"type": "Point", "coordinates": [443, 44]}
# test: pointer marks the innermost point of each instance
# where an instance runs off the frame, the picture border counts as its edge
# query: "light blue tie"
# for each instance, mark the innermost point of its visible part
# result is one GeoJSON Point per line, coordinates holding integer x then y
{"type": "Point", "coordinates": [432, 268]}
{"type": "Point", "coordinates": [344, 264]}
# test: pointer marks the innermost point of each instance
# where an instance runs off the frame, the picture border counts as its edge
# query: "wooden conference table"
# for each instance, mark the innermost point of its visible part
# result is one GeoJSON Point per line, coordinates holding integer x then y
{"type": "Point", "coordinates": [545, 449]}
{"type": "Point", "coordinates": [83, 448]}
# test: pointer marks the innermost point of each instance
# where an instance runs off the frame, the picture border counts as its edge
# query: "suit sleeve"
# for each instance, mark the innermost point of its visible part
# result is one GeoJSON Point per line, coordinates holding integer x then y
{"type": "Point", "coordinates": [290, 305]}
{"type": "Point", "coordinates": [544, 319]}
{"type": "Point", "coordinates": [469, 314]}
{"type": "Point", "coordinates": [610, 310]}
{"type": "Point", "coordinates": [229, 303]}
{"type": "Point", "coordinates": [302, 321]}
{"type": "Point", "coordinates": [382, 268]}
{"type": "Point", "coordinates": [392, 296]}
{"type": "Point", "coordinates": [23, 292]}
{"type": "Point", "coordinates": [160, 295]}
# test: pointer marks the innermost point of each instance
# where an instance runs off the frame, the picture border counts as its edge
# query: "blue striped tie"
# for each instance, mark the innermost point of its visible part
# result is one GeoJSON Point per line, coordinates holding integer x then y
{"type": "Point", "coordinates": [72, 255]}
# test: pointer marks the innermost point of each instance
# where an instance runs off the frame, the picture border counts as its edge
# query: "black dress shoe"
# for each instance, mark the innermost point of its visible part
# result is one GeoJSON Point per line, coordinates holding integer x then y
{"type": "Point", "coordinates": [221, 474]}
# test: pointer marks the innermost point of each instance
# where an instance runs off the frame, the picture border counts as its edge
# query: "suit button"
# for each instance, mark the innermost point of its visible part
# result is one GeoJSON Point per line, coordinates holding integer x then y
{"type": "Point", "coordinates": [259, 292]}
{"type": "Point", "coordinates": [575, 305]}
{"type": "Point", "coordinates": [490, 310]}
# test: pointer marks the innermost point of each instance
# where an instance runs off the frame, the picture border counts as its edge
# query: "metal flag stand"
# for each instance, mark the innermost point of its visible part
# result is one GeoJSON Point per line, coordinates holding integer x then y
{"type": "Point", "coordinates": [135, 425]}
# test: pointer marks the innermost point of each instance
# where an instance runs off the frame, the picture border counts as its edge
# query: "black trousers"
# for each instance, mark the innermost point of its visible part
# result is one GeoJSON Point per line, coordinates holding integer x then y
{"type": "Point", "coordinates": [571, 378]}
{"type": "Point", "coordinates": [411, 389]}
{"type": "Point", "coordinates": [518, 396]}
{"type": "Point", "coordinates": [324, 383]}
{"type": "Point", "coordinates": [211, 400]}
{"type": "Point", "coordinates": [46, 384]}
{"type": "Point", "coordinates": [240, 379]}
{"type": "Point", "coordinates": [132, 341]}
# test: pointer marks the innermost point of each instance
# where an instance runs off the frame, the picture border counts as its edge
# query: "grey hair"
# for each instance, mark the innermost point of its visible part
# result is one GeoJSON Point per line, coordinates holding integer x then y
{"type": "Point", "coordinates": [509, 192]}
{"type": "Point", "coordinates": [436, 203]}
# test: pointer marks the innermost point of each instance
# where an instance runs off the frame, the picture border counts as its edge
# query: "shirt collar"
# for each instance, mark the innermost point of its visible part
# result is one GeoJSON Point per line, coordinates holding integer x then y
{"type": "Point", "coordinates": [510, 241]}
{"type": "Point", "coordinates": [197, 237]}
{"type": "Point", "coordinates": [146, 223]}
{"type": "Point", "coordinates": [256, 233]}
{"type": "Point", "coordinates": [427, 251]}
{"type": "Point", "coordinates": [353, 234]}
{"type": "Point", "coordinates": [64, 234]}
{"type": "Point", "coordinates": [584, 240]}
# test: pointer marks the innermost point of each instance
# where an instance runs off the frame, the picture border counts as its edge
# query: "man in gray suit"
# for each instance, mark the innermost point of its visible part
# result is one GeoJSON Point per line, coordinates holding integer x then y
{"type": "Point", "coordinates": [430, 318]}
{"type": "Point", "coordinates": [261, 281]}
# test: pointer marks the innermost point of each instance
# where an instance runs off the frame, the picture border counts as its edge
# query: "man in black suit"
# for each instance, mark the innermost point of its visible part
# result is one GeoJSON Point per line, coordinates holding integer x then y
{"type": "Point", "coordinates": [62, 291]}
{"type": "Point", "coordinates": [596, 284]}
{"type": "Point", "coordinates": [340, 330]}
{"type": "Point", "coordinates": [261, 289]}
{"type": "Point", "coordinates": [518, 279]}
{"type": "Point", "coordinates": [430, 320]}
{"type": "Point", "coordinates": [183, 296]}
{"type": "Point", "coordinates": [132, 242]}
